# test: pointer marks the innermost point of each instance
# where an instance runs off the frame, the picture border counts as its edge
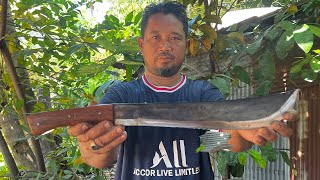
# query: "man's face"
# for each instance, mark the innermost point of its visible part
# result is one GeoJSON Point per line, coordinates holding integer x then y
{"type": "Point", "coordinates": [163, 45]}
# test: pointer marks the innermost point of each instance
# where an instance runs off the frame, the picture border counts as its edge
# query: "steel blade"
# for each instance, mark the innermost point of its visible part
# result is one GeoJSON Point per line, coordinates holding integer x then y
{"type": "Point", "coordinates": [231, 114]}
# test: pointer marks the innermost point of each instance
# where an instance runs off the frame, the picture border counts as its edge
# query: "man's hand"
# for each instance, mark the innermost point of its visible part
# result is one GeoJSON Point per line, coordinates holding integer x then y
{"type": "Point", "coordinates": [243, 139]}
{"type": "Point", "coordinates": [105, 136]}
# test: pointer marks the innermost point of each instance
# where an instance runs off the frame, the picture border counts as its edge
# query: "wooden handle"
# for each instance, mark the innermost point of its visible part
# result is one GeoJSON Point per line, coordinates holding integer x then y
{"type": "Point", "coordinates": [42, 122]}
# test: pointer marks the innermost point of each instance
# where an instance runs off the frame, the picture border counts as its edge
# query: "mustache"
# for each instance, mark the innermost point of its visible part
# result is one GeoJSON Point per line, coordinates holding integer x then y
{"type": "Point", "coordinates": [165, 54]}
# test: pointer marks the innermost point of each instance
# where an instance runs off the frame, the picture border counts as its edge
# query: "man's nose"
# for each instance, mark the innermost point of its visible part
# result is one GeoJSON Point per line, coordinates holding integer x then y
{"type": "Point", "coordinates": [165, 45]}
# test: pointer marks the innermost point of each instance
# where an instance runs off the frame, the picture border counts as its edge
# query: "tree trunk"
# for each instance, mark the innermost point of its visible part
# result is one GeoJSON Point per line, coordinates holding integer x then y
{"type": "Point", "coordinates": [17, 83]}
{"type": "Point", "coordinates": [20, 149]}
{"type": "Point", "coordinates": [14, 172]}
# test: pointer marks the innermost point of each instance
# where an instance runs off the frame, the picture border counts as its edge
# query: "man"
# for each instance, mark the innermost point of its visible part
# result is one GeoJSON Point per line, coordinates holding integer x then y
{"type": "Point", "coordinates": [158, 152]}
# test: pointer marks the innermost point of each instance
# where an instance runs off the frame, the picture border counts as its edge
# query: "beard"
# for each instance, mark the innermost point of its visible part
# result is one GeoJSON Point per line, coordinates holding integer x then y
{"type": "Point", "coordinates": [168, 72]}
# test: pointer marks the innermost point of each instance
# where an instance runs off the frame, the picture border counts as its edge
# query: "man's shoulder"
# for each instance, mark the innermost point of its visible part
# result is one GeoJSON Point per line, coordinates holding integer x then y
{"type": "Point", "coordinates": [198, 83]}
{"type": "Point", "coordinates": [128, 85]}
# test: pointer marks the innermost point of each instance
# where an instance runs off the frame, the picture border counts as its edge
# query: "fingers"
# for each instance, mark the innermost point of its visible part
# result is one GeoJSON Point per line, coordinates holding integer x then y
{"type": "Point", "coordinates": [264, 135]}
{"type": "Point", "coordinates": [282, 129]}
{"type": "Point", "coordinates": [95, 131]}
{"type": "Point", "coordinates": [78, 129]}
{"type": "Point", "coordinates": [290, 115]}
{"type": "Point", "coordinates": [119, 137]}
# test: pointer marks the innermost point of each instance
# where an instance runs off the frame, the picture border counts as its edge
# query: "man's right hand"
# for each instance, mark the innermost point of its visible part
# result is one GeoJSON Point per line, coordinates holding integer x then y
{"type": "Point", "coordinates": [104, 135]}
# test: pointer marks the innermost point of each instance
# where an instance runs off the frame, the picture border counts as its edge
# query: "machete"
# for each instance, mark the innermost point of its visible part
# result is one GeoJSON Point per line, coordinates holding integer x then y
{"type": "Point", "coordinates": [247, 113]}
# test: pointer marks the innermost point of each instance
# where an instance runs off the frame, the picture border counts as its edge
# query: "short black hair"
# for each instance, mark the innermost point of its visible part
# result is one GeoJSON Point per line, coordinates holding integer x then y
{"type": "Point", "coordinates": [172, 7]}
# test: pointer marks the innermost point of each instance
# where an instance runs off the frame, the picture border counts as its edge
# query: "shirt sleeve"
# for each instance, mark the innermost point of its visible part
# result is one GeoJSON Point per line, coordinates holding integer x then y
{"type": "Point", "coordinates": [211, 93]}
{"type": "Point", "coordinates": [115, 94]}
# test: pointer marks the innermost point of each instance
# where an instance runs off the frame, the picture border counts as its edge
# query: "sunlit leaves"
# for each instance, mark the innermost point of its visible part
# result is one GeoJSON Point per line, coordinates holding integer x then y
{"type": "Point", "coordinates": [315, 65]}
{"type": "Point", "coordinates": [258, 158]}
{"type": "Point", "coordinates": [304, 38]}
{"type": "Point", "coordinates": [129, 18]}
{"type": "Point", "coordinates": [242, 158]}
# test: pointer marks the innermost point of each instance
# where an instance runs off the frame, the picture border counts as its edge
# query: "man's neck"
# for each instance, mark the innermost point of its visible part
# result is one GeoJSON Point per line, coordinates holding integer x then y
{"type": "Point", "coordinates": [163, 81]}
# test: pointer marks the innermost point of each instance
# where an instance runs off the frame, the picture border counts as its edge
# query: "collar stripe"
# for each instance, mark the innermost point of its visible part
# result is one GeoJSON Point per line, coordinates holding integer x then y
{"type": "Point", "coordinates": [164, 88]}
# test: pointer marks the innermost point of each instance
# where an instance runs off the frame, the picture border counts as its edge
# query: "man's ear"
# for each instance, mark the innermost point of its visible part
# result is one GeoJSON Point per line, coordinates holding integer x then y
{"type": "Point", "coordinates": [140, 43]}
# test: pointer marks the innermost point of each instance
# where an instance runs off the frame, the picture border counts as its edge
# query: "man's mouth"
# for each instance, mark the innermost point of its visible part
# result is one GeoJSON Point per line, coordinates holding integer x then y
{"type": "Point", "coordinates": [165, 56]}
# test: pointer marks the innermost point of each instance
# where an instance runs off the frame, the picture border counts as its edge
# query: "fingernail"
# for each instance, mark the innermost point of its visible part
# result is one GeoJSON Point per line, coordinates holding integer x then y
{"type": "Point", "coordinates": [258, 140]}
{"type": "Point", "coordinates": [119, 130]}
{"type": "Point", "coordinates": [107, 125]}
{"type": "Point", "coordinates": [124, 135]}
{"type": "Point", "coordinates": [84, 127]}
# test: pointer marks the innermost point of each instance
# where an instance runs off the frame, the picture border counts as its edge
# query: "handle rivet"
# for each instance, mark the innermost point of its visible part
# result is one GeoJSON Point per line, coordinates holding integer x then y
{"type": "Point", "coordinates": [38, 124]}
{"type": "Point", "coordinates": [69, 116]}
{"type": "Point", "coordinates": [99, 113]}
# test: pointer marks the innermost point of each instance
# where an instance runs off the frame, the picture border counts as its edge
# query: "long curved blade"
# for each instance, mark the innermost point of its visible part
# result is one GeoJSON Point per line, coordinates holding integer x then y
{"type": "Point", "coordinates": [232, 114]}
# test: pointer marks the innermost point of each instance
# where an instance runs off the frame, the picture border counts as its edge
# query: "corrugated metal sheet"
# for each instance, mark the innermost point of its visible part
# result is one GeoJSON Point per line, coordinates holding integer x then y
{"type": "Point", "coordinates": [278, 170]}
{"type": "Point", "coordinates": [305, 144]}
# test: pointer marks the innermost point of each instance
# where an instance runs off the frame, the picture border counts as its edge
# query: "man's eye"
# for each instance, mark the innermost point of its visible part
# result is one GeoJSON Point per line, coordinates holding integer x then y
{"type": "Point", "coordinates": [175, 38]}
{"type": "Point", "coordinates": [155, 37]}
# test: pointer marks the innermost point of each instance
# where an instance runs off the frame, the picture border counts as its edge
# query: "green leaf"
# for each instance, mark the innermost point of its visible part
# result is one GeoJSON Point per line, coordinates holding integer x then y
{"type": "Point", "coordinates": [128, 18]}
{"type": "Point", "coordinates": [222, 160]}
{"type": "Point", "coordinates": [212, 19]}
{"type": "Point", "coordinates": [267, 65]}
{"type": "Point", "coordinates": [19, 104]}
{"type": "Point", "coordinates": [264, 88]}
{"type": "Point", "coordinates": [284, 44]}
{"type": "Point", "coordinates": [222, 84]}
{"type": "Point", "coordinates": [88, 69]}
{"type": "Point", "coordinates": [200, 148]}
{"type": "Point", "coordinates": [272, 34]}
{"type": "Point", "coordinates": [237, 170]}
{"type": "Point", "coordinates": [74, 48]}
{"type": "Point", "coordinates": [317, 51]}
{"type": "Point", "coordinates": [297, 66]}
{"type": "Point", "coordinates": [208, 31]}
{"type": "Point", "coordinates": [241, 74]}
{"type": "Point", "coordinates": [128, 72]}
{"type": "Point", "coordinates": [269, 152]}
{"type": "Point", "coordinates": [286, 159]}
{"type": "Point", "coordinates": [254, 47]}
{"type": "Point", "coordinates": [258, 158]}
{"type": "Point", "coordinates": [279, 17]}
{"type": "Point", "coordinates": [137, 18]}
{"type": "Point", "coordinates": [315, 65]}
{"type": "Point", "coordinates": [315, 30]}
{"type": "Point", "coordinates": [304, 38]}
{"type": "Point", "coordinates": [233, 158]}
{"type": "Point", "coordinates": [286, 25]}
{"type": "Point", "coordinates": [309, 75]}
{"type": "Point", "coordinates": [242, 158]}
